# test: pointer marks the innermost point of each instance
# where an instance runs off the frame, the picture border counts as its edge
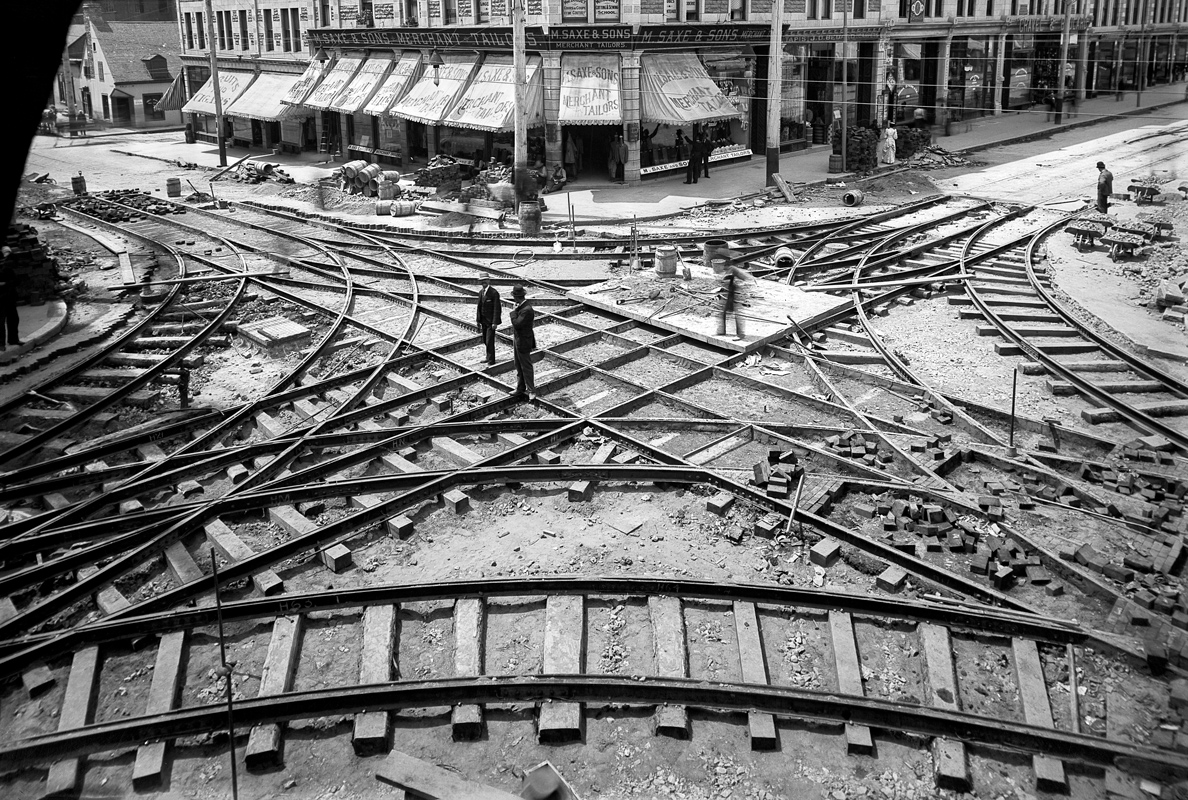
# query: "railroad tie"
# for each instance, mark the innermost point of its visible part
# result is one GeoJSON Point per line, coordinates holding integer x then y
{"type": "Point", "coordinates": [232, 548]}
{"type": "Point", "coordinates": [265, 744]}
{"type": "Point", "coordinates": [849, 677]}
{"type": "Point", "coordinates": [78, 706]}
{"type": "Point", "coordinates": [469, 631]}
{"type": "Point", "coordinates": [38, 678]}
{"type": "Point", "coordinates": [754, 670]}
{"type": "Point", "coordinates": [456, 453]}
{"type": "Point", "coordinates": [950, 762]}
{"type": "Point", "coordinates": [149, 769]}
{"type": "Point", "coordinates": [376, 666]}
{"type": "Point", "coordinates": [672, 660]}
{"type": "Point", "coordinates": [564, 646]}
{"type": "Point", "coordinates": [1037, 711]}
{"type": "Point", "coordinates": [109, 599]}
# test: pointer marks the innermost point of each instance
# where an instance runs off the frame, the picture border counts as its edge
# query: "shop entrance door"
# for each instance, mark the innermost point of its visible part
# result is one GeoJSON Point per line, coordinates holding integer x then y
{"type": "Point", "coordinates": [257, 133]}
{"type": "Point", "coordinates": [121, 110]}
{"type": "Point", "coordinates": [309, 134]}
{"type": "Point", "coordinates": [594, 141]}
{"type": "Point", "coordinates": [819, 93]}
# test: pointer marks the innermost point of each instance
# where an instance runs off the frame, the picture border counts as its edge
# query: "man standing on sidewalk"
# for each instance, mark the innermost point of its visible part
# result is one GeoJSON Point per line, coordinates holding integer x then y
{"type": "Point", "coordinates": [522, 317]}
{"type": "Point", "coordinates": [1105, 187]}
{"type": "Point", "coordinates": [10, 323]}
{"type": "Point", "coordinates": [488, 315]}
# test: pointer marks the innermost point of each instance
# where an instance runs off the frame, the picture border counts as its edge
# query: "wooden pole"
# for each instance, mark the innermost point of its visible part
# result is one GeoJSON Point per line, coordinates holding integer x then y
{"type": "Point", "coordinates": [214, 81]}
{"type": "Point", "coordinates": [520, 66]}
{"type": "Point", "coordinates": [1063, 61]}
{"type": "Point", "coordinates": [774, 90]}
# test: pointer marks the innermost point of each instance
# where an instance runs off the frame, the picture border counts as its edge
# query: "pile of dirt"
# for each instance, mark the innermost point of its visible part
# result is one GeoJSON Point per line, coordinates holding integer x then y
{"type": "Point", "coordinates": [329, 198]}
{"type": "Point", "coordinates": [898, 185]}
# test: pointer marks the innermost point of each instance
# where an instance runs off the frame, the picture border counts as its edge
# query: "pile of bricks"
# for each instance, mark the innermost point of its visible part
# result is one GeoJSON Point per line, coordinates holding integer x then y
{"type": "Point", "coordinates": [778, 474]}
{"type": "Point", "coordinates": [926, 406]}
{"type": "Point", "coordinates": [34, 270]}
{"type": "Point", "coordinates": [1147, 571]}
{"type": "Point", "coordinates": [932, 448]}
{"type": "Point", "coordinates": [926, 520]}
{"type": "Point", "coordinates": [1169, 298]}
{"type": "Point", "coordinates": [1165, 497]}
{"type": "Point", "coordinates": [1027, 486]}
{"type": "Point", "coordinates": [1153, 449]}
{"type": "Point", "coordinates": [1006, 562]}
{"type": "Point", "coordinates": [853, 444]}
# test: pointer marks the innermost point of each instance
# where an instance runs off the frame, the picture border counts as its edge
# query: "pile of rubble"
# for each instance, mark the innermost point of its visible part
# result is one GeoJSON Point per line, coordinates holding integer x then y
{"type": "Point", "coordinates": [935, 157]}
{"type": "Point", "coordinates": [253, 173]}
{"type": "Point", "coordinates": [35, 271]}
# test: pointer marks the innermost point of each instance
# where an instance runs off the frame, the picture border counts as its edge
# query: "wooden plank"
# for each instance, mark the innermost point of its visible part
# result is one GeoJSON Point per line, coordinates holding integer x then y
{"type": "Point", "coordinates": [951, 763]}
{"type": "Point", "coordinates": [1033, 693]}
{"type": "Point", "coordinates": [108, 598]}
{"type": "Point", "coordinates": [78, 706]}
{"type": "Point", "coordinates": [292, 520]}
{"type": "Point", "coordinates": [425, 780]}
{"type": "Point", "coordinates": [849, 676]}
{"type": "Point", "coordinates": [264, 743]}
{"type": "Point", "coordinates": [564, 645]}
{"type": "Point", "coordinates": [149, 769]}
{"type": "Point", "coordinates": [782, 185]}
{"type": "Point", "coordinates": [672, 660]}
{"type": "Point", "coordinates": [469, 630]}
{"type": "Point", "coordinates": [754, 670]}
{"type": "Point", "coordinates": [376, 665]}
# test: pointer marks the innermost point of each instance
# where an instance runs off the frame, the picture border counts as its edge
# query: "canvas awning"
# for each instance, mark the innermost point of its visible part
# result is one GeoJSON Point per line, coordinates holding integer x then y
{"type": "Point", "coordinates": [675, 89]}
{"type": "Point", "coordinates": [910, 50]}
{"type": "Point", "coordinates": [334, 82]}
{"type": "Point", "coordinates": [428, 102]}
{"type": "Point", "coordinates": [305, 84]}
{"type": "Point", "coordinates": [489, 102]}
{"type": "Point", "coordinates": [403, 74]}
{"type": "Point", "coordinates": [590, 90]}
{"type": "Point", "coordinates": [174, 97]}
{"type": "Point", "coordinates": [262, 100]}
{"type": "Point", "coordinates": [231, 86]}
{"type": "Point", "coordinates": [356, 93]}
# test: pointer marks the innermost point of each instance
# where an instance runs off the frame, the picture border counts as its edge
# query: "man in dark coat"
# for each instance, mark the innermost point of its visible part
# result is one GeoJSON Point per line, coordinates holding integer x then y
{"type": "Point", "coordinates": [488, 315]}
{"type": "Point", "coordinates": [696, 153]}
{"type": "Point", "coordinates": [10, 330]}
{"type": "Point", "coordinates": [1105, 187]}
{"type": "Point", "coordinates": [707, 148]}
{"type": "Point", "coordinates": [522, 317]}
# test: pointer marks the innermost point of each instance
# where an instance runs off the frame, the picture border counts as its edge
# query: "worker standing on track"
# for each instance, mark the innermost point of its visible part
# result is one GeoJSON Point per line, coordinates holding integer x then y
{"type": "Point", "coordinates": [733, 296]}
{"type": "Point", "coordinates": [1105, 187]}
{"type": "Point", "coordinates": [488, 315]}
{"type": "Point", "coordinates": [522, 317]}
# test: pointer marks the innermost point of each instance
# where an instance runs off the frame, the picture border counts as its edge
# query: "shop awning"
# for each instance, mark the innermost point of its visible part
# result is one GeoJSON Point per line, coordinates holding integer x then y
{"type": "Point", "coordinates": [910, 50]}
{"type": "Point", "coordinates": [174, 97]}
{"type": "Point", "coordinates": [675, 89]}
{"type": "Point", "coordinates": [334, 82]}
{"type": "Point", "coordinates": [305, 84]}
{"type": "Point", "coordinates": [428, 102]}
{"type": "Point", "coordinates": [489, 102]}
{"type": "Point", "coordinates": [403, 75]}
{"type": "Point", "coordinates": [231, 86]}
{"type": "Point", "coordinates": [356, 94]}
{"type": "Point", "coordinates": [262, 100]}
{"type": "Point", "coordinates": [590, 90]}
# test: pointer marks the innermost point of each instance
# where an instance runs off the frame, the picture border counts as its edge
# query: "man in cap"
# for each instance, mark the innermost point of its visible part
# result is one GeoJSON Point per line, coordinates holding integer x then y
{"type": "Point", "coordinates": [1105, 187]}
{"type": "Point", "coordinates": [488, 315]}
{"type": "Point", "coordinates": [522, 317]}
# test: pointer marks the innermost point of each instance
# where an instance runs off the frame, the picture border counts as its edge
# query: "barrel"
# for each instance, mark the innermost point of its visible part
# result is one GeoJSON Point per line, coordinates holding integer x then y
{"type": "Point", "coordinates": [388, 190]}
{"type": "Point", "coordinates": [173, 187]}
{"type": "Point", "coordinates": [853, 197]}
{"type": "Point", "coordinates": [391, 175]}
{"type": "Point", "coordinates": [666, 260]}
{"type": "Point", "coordinates": [716, 250]}
{"type": "Point", "coordinates": [383, 207]}
{"type": "Point", "coordinates": [529, 218]}
{"type": "Point", "coordinates": [351, 168]}
{"type": "Point", "coordinates": [402, 208]}
{"type": "Point", "coordinates": [370, 172]}
{"type": "Point", "coordinates": [79, 184]}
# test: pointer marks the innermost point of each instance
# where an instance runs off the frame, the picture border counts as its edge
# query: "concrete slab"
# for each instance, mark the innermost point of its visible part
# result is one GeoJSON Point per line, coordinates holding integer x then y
{"type": "Point", "coordinates": [672, 660]}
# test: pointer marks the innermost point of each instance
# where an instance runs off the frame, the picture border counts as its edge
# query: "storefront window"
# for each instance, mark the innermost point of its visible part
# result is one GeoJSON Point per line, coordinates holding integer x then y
{"type": "Point", "coordinates": [692, 9]}
{"type": "Point", "coordinates": [150, 107]}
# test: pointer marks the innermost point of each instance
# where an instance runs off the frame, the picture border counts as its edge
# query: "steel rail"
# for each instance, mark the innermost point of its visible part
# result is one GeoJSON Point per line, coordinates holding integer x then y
{"type": "Point", "coordinates": [986, 620]}
{"type": "Point", "coordinates": [874, 712]}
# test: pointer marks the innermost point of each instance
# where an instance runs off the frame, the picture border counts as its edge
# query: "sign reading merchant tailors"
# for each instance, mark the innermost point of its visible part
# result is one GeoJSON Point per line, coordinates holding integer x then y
{"type": "Point", "coordinates": [559, 37]}
{"type": "Point", "coordinates": [590, 90]}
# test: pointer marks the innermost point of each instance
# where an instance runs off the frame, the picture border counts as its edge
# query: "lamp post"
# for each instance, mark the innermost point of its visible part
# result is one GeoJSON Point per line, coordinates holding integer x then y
{"type": "Point", "coordinates": [435, 61]}
{"type": "Point", "coordinates": [214, 81]}
{"type": "Point", "coordinates": [775, 90]}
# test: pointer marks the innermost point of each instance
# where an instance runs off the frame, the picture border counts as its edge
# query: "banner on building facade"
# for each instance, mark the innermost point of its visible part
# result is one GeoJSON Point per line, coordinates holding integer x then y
{"type": "Point", "coordinates": [403, 74]}
{"type": "Point", "coordinates": [590, 90]}
{"type": "Point", "coordinates": [334, 82]}
{"type": "Point", "coordinates": [432, 96]}
{"type": "Point", "coordinates": [359, 89]}
{"type": "Point", "coordinates": [305, 84]}
{"type": "Point", "coordinates": [489, 102]}
{"type": "Point", "coordinates": [231, 85]}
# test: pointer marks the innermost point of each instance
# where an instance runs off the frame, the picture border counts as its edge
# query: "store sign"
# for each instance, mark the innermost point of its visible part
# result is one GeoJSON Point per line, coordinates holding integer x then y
{"type": "Point", "coordinates": [588, 37]}
{"type": "Point", "coordinates": [590, 90]}
{"type": "Point", "coordinates": [916, 11]}
{"type": "Point", "coordinates": [832, 35]}
{"type": "Point", "coordinates": [651, 35]}
{"type": "Point", "coordinates": [559, 37]}
{"type": "Point", "coordinates": [724, 156]}
{"type": "Point", "coordinates": [1035, 24]}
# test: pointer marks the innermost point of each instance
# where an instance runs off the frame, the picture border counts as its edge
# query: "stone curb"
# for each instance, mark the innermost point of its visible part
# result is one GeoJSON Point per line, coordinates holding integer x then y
{"type": "Point", "coordinates": [57, 320]}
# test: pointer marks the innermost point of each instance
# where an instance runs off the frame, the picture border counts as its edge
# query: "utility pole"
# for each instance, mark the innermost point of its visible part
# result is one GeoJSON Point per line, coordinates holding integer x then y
{"type": "Point", "coordinates": [1140, 67]}
{"type": "Point", "coordinates": [520, 67]}
{"type": "Point", "coordinates": [775, 90]}
{"type": "Point", "coordinates": [1063, 61]}
{"type": "Point", "coordinates": [68, 82]}
{"type": "Point", "coordinates": [214, 81]}
{"type": "Point", "coordinates": [845, 116]}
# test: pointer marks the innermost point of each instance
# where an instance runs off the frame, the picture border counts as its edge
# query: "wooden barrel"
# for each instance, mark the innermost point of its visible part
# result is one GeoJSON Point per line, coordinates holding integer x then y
{"type": "Point", "coordinates": [402, 208]}
{"type": "Point", "coordinates": [351, 168]}
{"type": "Point", "coordinates": [373, 187]}
{"type": "Point", "coordinates": [853, 197]}
{"type": "Point", "coordinates": [388, 190]}
{"type": "Point", "coordinates": [370, 172]}
{"type": "Point", "coordinates": [391, 175]}
{"type": "Point", "coordinates": [173, 187]}
{"type": "Point", "coordinates": [79, 184]}
{"type": "Point", "coordinates": [383, 207]}
{"type": "Point", "coordinates": [666, 260]}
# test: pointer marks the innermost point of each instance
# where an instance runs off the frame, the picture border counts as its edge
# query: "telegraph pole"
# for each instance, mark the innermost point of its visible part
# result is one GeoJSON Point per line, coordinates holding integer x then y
{"type": "Point", "coordinates": [1140, 67]}
{"type": "Point", "coordinates": [845, 103]}
{"type": "Point", "coordinates": [1063, 61]}
{"type": "Point", "coordinates": [775, 90]}
{"type": "Point", "coordinates": [214, 81]}
{"type": "Point", "coordinates": [520, 67]}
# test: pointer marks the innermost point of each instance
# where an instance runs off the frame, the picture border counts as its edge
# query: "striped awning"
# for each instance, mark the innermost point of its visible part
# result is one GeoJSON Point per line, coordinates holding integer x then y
{"type": "Point", "coordinates": [428, 101]}
{"type": "Point", "coordinates": [231, 86]}
{"type": "Point", "coordinates": [360, 88]}
{"type": "Point", "coordinates": [305, 84]}
{"type": "Point", "coordinates": [334, 82]}
{"type": "Point", "coordinates": [675, 89]}
{"type": "Point", "coordinates": [403, 75]}
{"type": "Point", "coordinates": [262, 100]}
{"type": "Point", "coordinates": [489, 102]}
{"type": "Point", "coordinates": [174, 97]}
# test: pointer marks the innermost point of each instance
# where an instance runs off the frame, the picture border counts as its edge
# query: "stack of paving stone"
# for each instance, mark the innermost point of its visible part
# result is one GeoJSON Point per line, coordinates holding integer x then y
{"type": "Point", "coordinates": [34, 271]}
{"type": "Point", "coordinates": [940, 527]}
{"type": "Point", "coordinates": [1007, 562]}
{"type": "Point", "coordinates": [778, 474]}
{"type": "Point", "coordinates": [853, 444]}
{"type": "Point", "coordinates": [1155, 449]}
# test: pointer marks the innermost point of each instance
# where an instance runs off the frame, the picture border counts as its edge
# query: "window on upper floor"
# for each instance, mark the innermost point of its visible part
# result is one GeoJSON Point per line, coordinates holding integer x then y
{"type": "Point", "coordinates": [189, 25]}
{"type": "Point", "coordinates": [244, 37]}
{"type": "Point", "coordinates": [449, 11]}
{"type": "Point", "coordinates": [269, 41]}
{"type": "Point", "coordinates": [290, 29]}
{"type": "Point", "coordinates": [692, 10]}
{"type": "Point", "coordinates": [99, 70]}
{"type": "Point", "coordinates": [223, 29]}
{"type": "Point", "coordinates": [858, 9]}
{"type": "Point", "coordinates": [738, 10]}
{"type": "Point", "coordinates": [198, 23]}
{"type": "Point", "coordinates": [989, 8]}
{"type": "Point", "coordinates": [606, 10]}
{"type": "Point", "coordinates": [575, 11]}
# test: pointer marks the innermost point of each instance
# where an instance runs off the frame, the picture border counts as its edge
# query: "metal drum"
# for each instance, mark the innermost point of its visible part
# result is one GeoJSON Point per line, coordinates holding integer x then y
{"type": "Point", "coordinates": [853, 197]}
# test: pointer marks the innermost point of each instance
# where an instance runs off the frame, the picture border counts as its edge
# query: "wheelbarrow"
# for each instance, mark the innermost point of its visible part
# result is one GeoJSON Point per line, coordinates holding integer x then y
{"type": "Point", "coordinates": [1144, 192]}
{"type": "Point", "coordinates": [1085, 234]}
{"type": "Point", "coordinates": [1122, 245]}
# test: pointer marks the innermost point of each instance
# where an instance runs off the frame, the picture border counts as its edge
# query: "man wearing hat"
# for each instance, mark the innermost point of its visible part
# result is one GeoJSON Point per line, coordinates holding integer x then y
{"type": "Point", "coordinates": [1105, 187]}
{"type": "Point", "coordinates": [525, 342]}
{"type": "Point", "coordinates": [488, 315]}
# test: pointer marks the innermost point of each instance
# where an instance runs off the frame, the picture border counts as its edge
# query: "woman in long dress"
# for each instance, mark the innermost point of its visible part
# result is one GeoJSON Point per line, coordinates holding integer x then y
{"type": "Point", "coordinates": [887, 145]}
